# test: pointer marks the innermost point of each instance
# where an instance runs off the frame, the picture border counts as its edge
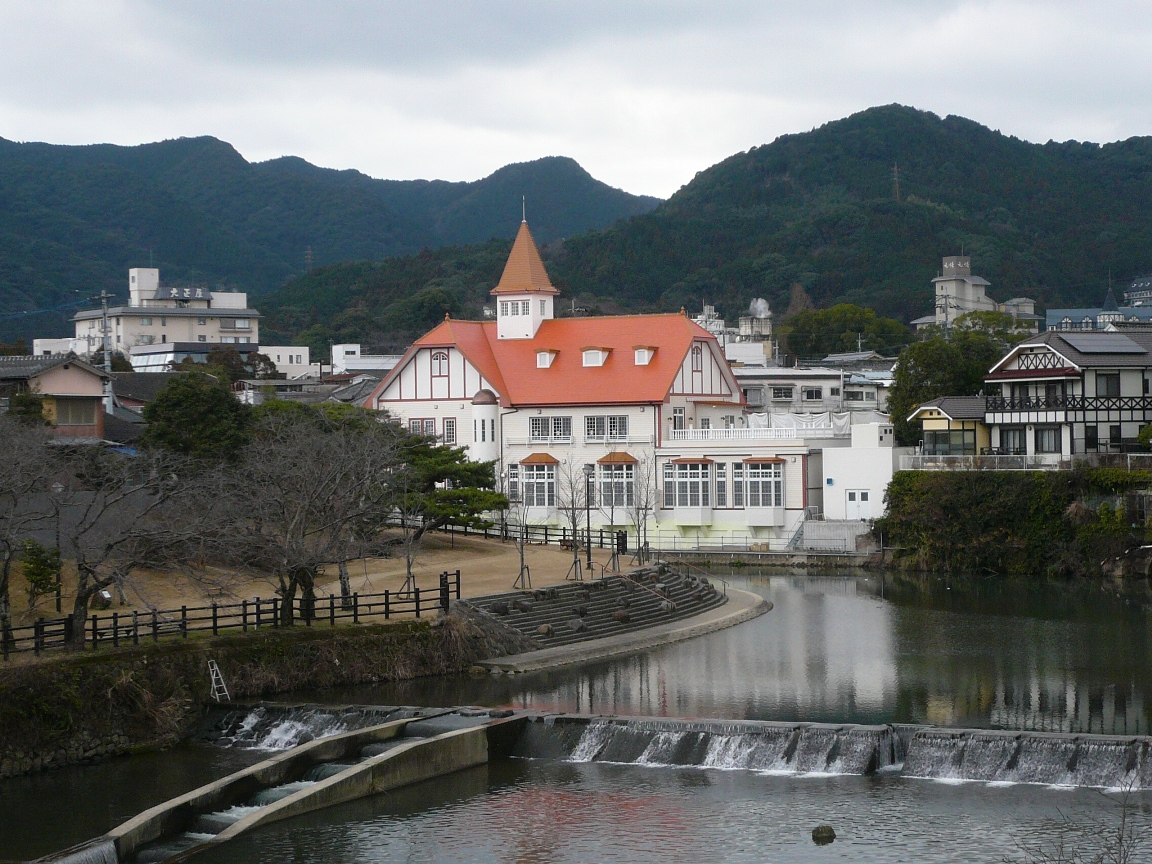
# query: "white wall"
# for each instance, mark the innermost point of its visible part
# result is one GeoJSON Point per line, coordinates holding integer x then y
{"type": "Point", "coordinates": [868, 465]}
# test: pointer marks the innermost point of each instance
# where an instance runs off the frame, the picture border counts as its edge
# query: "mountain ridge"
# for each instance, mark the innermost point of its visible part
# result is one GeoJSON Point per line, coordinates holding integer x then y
{"type": "Point", "coordinates": [73, 219]}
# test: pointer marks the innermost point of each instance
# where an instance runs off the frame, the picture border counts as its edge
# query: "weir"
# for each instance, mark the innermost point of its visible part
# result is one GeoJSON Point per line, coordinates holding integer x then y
{"type": "Point", "coordinates": [322, 761]}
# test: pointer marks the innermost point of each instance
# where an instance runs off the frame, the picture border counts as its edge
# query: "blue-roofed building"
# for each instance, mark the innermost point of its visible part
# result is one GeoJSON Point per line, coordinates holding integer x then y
{"type": "Point", "coordinates": [1137, 309]}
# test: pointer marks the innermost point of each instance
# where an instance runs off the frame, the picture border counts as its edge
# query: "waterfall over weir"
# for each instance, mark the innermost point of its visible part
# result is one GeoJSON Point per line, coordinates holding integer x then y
{"type": "Point", "coordinates": [817, 748]}
{"type": "Point", "coordinates": [1030, 757]}
{"type": "Point", "coordinates": [792, 748]}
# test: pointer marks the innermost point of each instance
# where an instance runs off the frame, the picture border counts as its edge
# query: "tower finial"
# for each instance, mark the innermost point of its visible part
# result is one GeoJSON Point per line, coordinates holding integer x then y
{"type": "Point", "coordinates": [523, 208]}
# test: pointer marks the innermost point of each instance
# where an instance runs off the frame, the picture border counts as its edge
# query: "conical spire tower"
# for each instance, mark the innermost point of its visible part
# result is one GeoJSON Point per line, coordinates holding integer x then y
{"type": "Point", "coordinates": [524, 294]}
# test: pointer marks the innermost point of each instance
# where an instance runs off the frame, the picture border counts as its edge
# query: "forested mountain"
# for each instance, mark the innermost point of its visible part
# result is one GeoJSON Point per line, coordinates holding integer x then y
{"type": "Point", "coordinates": [74, 219]}
{"type": "Point", "coordinates": [1048, 221]}
{"type": "Point", "coordinates": [822, 208]}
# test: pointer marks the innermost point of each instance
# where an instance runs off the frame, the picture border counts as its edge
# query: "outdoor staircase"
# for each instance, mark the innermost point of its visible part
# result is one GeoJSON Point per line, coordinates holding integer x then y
{"type": "Point", "coordinates": [645, 595]}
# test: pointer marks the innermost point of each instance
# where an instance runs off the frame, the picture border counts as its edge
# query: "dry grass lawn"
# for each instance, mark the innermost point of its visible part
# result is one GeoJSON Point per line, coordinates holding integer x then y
{"type": "Point", "coordinates": [486, 567]}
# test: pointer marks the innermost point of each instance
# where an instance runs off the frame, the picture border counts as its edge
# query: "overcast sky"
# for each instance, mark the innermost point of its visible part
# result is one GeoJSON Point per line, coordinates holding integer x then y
{"type": "Point", "coordinates": [643, 94]}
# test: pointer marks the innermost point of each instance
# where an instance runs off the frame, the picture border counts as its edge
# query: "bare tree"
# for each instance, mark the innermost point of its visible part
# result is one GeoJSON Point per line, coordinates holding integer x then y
{"type": "Point", "coordinates": [26, 472]}
{"type": "Point", "coordinates": [120, 513]}
{"type": "Point", "coordinates": [644, 502]}
{"type": "Point", "coordinates": [517, 515]}
{"type": "Point", "coordinates": [305, 493]}
{"type": "Point", "coordinates": [1124, 837]}
{"type": "Point", "coordinates": [572, 502]}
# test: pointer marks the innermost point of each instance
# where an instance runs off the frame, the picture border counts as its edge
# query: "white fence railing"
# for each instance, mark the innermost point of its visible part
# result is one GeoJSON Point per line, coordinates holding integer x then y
{"type": "Point", "coordinates": [1036, 462]}
{"type": "Point", "coordinates": [749, 434]}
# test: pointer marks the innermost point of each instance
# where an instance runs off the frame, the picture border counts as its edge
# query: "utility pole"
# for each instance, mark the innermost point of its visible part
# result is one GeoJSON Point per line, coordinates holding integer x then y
{"type": "Point", "coordinates": [107, 352]}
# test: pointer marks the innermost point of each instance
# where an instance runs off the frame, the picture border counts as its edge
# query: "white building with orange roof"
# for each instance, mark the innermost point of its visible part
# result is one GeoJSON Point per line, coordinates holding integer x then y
{"type": "Point", "coordinates": [643, 410]}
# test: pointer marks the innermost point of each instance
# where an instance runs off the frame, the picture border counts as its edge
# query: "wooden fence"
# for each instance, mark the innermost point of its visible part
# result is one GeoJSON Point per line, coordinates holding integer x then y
{"type": "Point", "coordinates": [118, 629]}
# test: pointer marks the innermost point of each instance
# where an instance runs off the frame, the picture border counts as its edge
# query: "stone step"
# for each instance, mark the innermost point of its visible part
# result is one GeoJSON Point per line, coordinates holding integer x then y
{"type": "Point", "coordinates": [558, 606]}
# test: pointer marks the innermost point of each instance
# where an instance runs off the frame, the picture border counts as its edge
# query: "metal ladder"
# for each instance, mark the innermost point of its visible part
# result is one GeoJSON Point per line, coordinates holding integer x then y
{"type": "Point", "coordinates": [219, 689]}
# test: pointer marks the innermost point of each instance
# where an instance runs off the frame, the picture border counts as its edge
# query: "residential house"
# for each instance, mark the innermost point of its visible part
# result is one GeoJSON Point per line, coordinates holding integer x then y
{"type": "Point", "coordinates": [642, 409]}
{"type": "Point", "coordinates": [954, 426]}
{"type": "Point", "coordinates": [1064, 393]}
{"type": "Point", "coordinates": [72, 393]}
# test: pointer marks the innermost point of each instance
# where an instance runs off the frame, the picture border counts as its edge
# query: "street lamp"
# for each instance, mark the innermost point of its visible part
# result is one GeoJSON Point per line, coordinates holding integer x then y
{"type": "Point", "coordinates": [588, 470]}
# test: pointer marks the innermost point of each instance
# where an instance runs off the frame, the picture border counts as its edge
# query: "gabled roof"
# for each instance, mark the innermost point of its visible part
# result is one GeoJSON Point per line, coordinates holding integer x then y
{"type": "Point", "coordinates": [954, 407]}
{"type": "Point", "coordinates": [19, 368]}
{"type": "Point", "coordinates": [509, 365]}
{"type": "Point", "coordinates": [1059, 341]}
{"type": "Point", "coordinates": [524, 270]}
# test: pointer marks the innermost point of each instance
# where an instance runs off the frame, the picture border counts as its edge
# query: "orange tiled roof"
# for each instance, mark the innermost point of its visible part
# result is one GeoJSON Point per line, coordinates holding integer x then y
{"type": "Point", "coordinates": [510, 364]}
{"type": "Point", "coordinates": [524, 271]}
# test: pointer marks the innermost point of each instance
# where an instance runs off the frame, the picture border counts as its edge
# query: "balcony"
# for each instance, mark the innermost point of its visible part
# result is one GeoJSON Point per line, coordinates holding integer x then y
{"type": "Point", "coordinates": [1002, 404]}
{"type": "Point", "coordinates": [1037, 462]}
{"type": "Point", "coordinates": [749, 434]}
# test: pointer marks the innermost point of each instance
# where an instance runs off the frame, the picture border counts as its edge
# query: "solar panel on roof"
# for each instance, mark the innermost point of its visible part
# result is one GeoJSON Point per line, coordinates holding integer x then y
{"type": "Point", "coordinates": [1102, 343]}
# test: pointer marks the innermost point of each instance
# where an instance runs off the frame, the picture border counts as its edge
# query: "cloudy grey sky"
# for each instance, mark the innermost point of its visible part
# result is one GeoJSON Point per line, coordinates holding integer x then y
{"type": "Point", "coordinates": [642, 93]}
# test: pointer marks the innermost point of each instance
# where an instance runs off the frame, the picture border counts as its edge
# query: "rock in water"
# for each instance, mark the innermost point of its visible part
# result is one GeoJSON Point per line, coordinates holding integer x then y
{"type": "Point", "coordinates": [822, 835]}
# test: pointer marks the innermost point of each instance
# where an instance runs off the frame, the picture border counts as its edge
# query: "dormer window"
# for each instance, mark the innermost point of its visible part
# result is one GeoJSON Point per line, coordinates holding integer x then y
{"type": "Point", "coordinates": [595, 356]}
{"type": "Point", "coordinates": [644, 355]}
{"type": "Point", "coordinates": [544, 359]}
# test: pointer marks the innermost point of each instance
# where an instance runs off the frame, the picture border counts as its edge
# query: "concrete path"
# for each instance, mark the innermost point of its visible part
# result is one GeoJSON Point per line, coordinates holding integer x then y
{"type": "Point", "coordinates": [741, 606]}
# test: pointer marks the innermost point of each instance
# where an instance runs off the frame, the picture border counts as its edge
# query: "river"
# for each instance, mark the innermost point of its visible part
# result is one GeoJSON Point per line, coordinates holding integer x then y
{"type": "Point", "coordinates": [862, 648]}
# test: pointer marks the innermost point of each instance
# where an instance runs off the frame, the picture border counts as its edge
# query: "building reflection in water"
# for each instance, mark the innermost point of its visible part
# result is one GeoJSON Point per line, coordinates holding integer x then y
{"type": "Point", "coordinates": [863, 650]}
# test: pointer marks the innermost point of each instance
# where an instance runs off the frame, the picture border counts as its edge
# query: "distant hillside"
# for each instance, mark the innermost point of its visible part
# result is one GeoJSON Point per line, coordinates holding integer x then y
{"type": "Point", "coordinates": [1047, 221]}
{"type": "Point", "coordinates": [74, 219]}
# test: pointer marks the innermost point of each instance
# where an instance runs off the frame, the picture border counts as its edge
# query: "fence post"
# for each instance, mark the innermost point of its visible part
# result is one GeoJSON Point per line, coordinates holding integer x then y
{"type": "Point", "coordinates": [331, 610]}
{"type": "Point", "coordinates": [257, 601]}
{"type": "Point", "coordinates": [184, 621]}
{"type": "Point", "coordinates": [545, 535]}
{"type": "Point", "coordinates": [457, 584]}
{"type": "Point", "coordinates": [444, 592]}
{"type": "Point", "coordinates": [215, 629]}
{"type": "Point", "coordinates": [69, 631]}
{"type": "Point", "coordinates": [5, 638]}
{"type": "Point", "coordinates": [115, 629]}
{"type": "Point", "coordinates": [417, 592]}
{"type": "Point", "coordinates": [387, 605]}
{"type": "Point", "coordinates": [95, 631]}
{"type": "Point", "coordinates": [275, 611]}
{"type": "Point", "coordinates": [37, 635]}
{"type": "Point", "coordinates": [244, 615]}
{"type": "Point", "coordinates": [135, 629]}
{"type": "Point", "coordinates": [356, 606]}
{"type": "Point", "coordinates": [155, 626]}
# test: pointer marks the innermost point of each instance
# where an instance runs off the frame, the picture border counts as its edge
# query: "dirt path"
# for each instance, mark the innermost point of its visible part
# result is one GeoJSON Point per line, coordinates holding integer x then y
{"type": "Point", "coordinates": [486, 567]}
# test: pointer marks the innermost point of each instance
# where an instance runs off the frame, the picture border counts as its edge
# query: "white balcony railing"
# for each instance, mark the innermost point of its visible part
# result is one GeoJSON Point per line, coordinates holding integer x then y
{"type": "Point", "coordinates": [748, 434]}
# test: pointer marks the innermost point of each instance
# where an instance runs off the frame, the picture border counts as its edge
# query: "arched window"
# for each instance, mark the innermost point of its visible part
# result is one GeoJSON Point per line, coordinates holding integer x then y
{"type": "Point", "coordinates": [440, 364]}
{"type": "Point", "coordinates": [697, 358]}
